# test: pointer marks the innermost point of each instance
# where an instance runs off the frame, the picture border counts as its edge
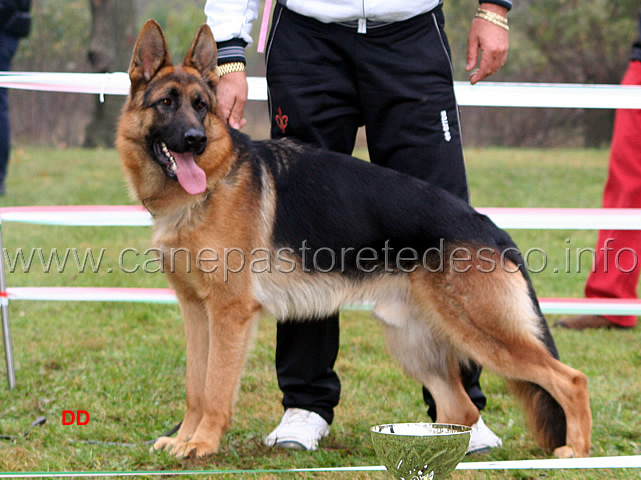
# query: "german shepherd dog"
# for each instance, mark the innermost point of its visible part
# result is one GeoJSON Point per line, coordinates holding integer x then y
{"type": "Point", "coordinates": [323, 230]}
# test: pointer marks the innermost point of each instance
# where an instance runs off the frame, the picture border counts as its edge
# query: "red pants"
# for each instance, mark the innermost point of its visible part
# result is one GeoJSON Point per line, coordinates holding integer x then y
{"type": "Point", "coordinates": [616, 272]}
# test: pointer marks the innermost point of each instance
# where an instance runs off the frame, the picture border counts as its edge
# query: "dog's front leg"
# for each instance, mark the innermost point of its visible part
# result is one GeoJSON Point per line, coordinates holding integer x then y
{"type": "Point", "coordinates": [196, 326]}
{"type": "Point", "coordinates": [230, 326]}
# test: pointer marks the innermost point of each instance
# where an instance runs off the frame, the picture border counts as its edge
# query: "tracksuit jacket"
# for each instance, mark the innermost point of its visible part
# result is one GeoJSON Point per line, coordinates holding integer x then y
{"type": "Point", "coordinates": [231, 21]}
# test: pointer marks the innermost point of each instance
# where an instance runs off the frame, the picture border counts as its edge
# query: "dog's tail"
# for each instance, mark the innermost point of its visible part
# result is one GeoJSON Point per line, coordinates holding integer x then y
{"type": "Point", "coordinates": [544, 415]}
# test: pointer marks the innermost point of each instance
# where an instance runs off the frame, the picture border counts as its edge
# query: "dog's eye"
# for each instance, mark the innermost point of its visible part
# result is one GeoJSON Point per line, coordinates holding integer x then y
{"type": "Point", "coordinates": [166, 102]}
{"type": "Point", "coordinates": [199, 105]}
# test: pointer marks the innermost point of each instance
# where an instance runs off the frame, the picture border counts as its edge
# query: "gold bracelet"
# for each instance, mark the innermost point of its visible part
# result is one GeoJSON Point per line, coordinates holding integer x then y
{"type": "Point", "coordinates": [230, 67]}
{"type": "Point", "coordinates": [492, 17]}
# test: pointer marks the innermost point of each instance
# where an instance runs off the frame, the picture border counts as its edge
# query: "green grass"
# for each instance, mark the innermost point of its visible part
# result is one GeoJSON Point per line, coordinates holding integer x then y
{"type": "Point", "coordinates": [124, 363]}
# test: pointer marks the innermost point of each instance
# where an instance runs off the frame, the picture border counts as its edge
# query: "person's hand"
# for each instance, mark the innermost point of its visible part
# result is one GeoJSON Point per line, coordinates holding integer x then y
{"type": "Point", "coordinates": [232, 97]}
{"type": "Point", "coordinates": [491, 41]}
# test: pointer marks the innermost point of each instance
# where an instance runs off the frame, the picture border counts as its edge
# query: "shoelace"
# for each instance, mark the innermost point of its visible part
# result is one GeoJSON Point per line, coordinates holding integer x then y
{"type": "Point", "coordinates": [298, 417]}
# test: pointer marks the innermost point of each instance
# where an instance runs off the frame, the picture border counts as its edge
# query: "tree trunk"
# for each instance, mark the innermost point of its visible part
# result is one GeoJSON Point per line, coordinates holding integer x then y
{"type": "Point", "coordinates": [113, 33]}
{"type": "Point", "coordinates": [598, 126]}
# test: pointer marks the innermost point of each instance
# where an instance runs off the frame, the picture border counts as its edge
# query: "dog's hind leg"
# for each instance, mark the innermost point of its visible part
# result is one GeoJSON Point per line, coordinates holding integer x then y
{"type": "Point", "coordinates": [535, 376]}
{"type": "Point", "coordinates": [495, 322]}
{"type": "Point", "coordinates": [431, 362]}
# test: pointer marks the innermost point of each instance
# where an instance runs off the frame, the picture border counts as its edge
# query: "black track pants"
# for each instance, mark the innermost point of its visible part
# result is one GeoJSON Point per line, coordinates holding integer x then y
{"type": "Point", "coordinates": [327, 80]}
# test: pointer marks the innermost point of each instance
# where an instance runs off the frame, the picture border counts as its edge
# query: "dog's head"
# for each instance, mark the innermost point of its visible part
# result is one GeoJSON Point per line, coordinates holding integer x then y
{"type": "Point", "coordinates": [170, 121]}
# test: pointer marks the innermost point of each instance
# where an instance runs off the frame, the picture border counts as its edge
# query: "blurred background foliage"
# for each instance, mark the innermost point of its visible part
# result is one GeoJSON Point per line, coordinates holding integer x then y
{"type": "Point", "coordinates": [568, 41]}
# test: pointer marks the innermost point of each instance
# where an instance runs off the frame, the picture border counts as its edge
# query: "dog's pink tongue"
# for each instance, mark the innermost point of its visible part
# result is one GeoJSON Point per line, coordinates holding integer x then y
{"type": "Point", "coordinates": [190, 176]}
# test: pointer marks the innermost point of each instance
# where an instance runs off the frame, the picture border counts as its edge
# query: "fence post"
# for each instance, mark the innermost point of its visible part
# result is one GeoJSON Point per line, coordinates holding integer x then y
{"type": "Point", "coordinates": [6, 328]}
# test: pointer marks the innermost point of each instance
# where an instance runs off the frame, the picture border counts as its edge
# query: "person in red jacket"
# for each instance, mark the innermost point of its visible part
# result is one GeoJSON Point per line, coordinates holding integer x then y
{"type": "Point", "coordinates": [616, 268]}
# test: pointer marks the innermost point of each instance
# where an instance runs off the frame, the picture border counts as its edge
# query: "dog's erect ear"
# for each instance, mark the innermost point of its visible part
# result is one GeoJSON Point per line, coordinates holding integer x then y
{"type": "Point", "coordinates": [202, 55]}
{"type": "Point", "coordinates": [150, 53]}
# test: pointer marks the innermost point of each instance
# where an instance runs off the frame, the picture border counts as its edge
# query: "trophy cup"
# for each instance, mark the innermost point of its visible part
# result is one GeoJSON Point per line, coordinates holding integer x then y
{"type": "Point", "coordinates": [420, 451]}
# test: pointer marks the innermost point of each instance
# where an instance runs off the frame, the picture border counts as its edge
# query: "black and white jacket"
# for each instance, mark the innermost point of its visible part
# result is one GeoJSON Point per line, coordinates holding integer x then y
{"type": "Point", "coordinates": [231, 20]}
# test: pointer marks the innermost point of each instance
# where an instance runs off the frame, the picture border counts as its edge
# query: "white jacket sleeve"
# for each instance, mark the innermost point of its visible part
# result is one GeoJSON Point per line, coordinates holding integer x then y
{"type": "Point", "coordinates": [230, 19]}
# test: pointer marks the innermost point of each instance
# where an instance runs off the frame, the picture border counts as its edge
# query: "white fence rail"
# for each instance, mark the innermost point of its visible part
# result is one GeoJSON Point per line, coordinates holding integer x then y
{"type": "Point", "coordinates": [484, 94]}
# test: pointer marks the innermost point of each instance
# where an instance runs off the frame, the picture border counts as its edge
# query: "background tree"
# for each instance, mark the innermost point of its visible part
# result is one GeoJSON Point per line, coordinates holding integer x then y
{"type": "Point", "coordinates": [113, 33]}
{"type": "Point", "coordinates": [57, 43]}
{"type": "Point", "coordinates": [583, 42]}
{"type": "Point", "coordinates": [567, 41]}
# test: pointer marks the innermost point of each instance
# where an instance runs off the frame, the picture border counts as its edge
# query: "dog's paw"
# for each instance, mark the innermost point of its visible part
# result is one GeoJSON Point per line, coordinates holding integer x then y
{"type": "Point", "coordinates": [164, 443]}
{"type": "Point", "coordinates": [195, 449]}
{"type": "Point", "coordinates": [564, 452]}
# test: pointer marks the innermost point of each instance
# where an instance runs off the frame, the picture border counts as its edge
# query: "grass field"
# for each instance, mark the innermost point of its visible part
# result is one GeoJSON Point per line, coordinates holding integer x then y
{"type": "Point", "coordinates": [124, 363]}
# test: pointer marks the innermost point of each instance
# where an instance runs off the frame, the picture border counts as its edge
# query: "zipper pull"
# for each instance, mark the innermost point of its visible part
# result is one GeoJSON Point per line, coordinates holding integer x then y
{"type": "Point", "coordinates": [362, 25]}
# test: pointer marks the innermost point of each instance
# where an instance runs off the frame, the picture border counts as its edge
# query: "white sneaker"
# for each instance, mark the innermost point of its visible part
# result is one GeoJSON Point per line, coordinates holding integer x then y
{"type": "Point", "coordinates": [482, 438]}
{"type": "Point", "coordinates": [299, 430]}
